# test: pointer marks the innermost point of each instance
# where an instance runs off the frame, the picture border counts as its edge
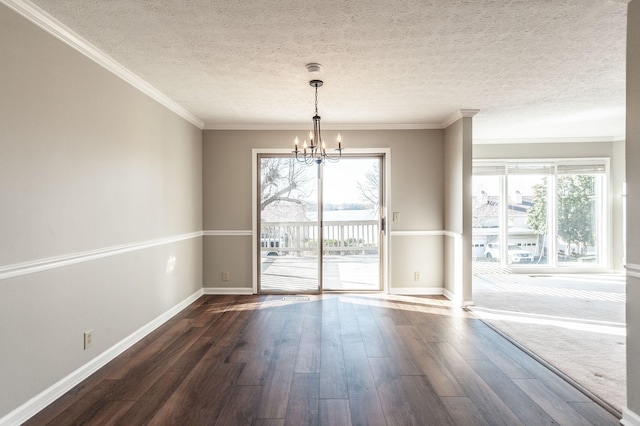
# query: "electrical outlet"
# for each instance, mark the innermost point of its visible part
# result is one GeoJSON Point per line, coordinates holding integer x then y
{"type": "Point", "coordinates": [88, 339]}
{"type": "Point", "coordinates": [225, 276]}
{"type": "Point", "coordinates": [416, 276]}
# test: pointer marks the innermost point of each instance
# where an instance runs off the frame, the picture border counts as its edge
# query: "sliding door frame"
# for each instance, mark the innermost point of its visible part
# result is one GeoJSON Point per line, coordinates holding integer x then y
{"type": "Point", "coordinates": [385, 153]}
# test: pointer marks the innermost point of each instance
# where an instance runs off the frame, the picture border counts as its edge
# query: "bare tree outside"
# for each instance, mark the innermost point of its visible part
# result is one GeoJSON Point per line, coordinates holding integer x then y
{"type": "Point", "coordinates": [319, 218]}
{"type": "Point", "coordinates": [283, 180]}
{"type": "Point", "coordinates": [370, 187]}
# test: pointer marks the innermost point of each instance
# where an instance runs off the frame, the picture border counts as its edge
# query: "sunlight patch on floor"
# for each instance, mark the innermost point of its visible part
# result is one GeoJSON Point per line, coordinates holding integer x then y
{"type": "Point", "coordinates": [559, 292]}
{"type": "Point", "coordinates": [602, 327]}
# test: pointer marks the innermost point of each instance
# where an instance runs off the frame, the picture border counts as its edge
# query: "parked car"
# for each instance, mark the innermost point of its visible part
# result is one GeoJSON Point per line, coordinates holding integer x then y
{"type": "Point", "coordinates": [268, 242]}
{"type": "Point", "coordinates": [514, 253]}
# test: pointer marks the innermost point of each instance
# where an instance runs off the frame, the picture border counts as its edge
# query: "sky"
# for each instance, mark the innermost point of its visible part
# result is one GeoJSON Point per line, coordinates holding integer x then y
{"type": "Point", "coordinates": [341, 179]}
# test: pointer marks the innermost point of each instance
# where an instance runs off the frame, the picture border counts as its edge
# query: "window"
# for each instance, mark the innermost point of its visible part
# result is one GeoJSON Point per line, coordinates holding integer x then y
{"type": "Point", "coordinates": [539, 213]}
{"type": "Point", "coordinates": [528, 211]}
{"type": "Point", "coordinates": [579, 213]}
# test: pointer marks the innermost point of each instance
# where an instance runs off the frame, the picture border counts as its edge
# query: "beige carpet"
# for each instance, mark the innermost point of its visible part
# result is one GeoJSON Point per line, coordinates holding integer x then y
{"type": "Point", "coordinates": [574, 322]}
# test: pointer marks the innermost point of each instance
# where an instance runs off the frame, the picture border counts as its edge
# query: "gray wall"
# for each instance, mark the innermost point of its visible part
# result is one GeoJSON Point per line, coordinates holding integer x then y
{"type": "Point", "coordinates": [87, 163]}
{"type": "Point", "coordinates": [416, 188]}
{"type": "Point", "coordinates": [614, 151]}
{"type": "Point", "coordinates": [633, 207]}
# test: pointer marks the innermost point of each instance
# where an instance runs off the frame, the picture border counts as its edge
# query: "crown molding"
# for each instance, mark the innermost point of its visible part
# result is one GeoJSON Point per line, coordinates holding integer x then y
{"type": "Point", "coordinates": [468, 112]}
{"type": "Point", "coordinates": [63, 33]}
{"type": "Point", "coordinates": [593, 139]}
{"type": "Point", "coordinates": [342, 127]}
{"type": "Point", "coordinates": [352, 126]}
{"type": "Point", "coordinates": [463, 113]}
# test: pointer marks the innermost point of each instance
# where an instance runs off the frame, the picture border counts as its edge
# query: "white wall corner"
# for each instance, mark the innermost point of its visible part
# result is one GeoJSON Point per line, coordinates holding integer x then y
{"type": "Point", "coordinates": [629, 418]}
{"type": "Point", "coordinates": [457, 301]}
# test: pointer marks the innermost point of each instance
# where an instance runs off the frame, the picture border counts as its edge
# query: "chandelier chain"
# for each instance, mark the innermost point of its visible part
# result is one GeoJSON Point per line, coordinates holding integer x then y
{"type": "Point", "coordinates": [316, 100]}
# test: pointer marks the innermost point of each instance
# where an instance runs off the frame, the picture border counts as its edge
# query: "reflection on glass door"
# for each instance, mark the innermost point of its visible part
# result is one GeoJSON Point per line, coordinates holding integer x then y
{"type": "Point", "coordinates": [319, 225]}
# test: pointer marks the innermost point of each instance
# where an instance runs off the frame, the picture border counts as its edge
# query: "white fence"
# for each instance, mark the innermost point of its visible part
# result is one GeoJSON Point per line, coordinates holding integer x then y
{"type": "Point", "coordinates": [340, 237]}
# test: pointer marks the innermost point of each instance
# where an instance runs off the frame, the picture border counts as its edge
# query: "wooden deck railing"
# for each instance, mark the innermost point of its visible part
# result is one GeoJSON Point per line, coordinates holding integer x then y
{"type": "Point", "coordinates": [340, 237]}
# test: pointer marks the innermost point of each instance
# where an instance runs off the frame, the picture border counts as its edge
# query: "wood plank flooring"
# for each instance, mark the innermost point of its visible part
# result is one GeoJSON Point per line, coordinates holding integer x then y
{"type": "Point", "coordinates": [336, 359]}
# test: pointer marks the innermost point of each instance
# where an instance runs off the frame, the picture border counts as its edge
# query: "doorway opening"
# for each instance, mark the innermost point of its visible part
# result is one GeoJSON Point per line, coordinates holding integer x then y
{"type": "Point", "coordinates": [320, 226]}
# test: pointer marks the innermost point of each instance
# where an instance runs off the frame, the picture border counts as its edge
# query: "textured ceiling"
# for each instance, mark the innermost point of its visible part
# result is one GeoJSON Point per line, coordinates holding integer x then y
{"type": "Point", "coordinates": [534, 68]}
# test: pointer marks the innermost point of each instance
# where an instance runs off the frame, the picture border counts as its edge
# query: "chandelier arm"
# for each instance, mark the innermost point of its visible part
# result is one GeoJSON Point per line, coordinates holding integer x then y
{"type": "Point", "coordinates": [303, 157]}
{"type": "Point", "coordinates": [334, 158]}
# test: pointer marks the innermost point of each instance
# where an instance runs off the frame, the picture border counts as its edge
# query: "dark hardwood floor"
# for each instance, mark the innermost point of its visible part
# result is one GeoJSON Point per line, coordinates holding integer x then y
{"type": "Point", "coordinates": [336, 359]}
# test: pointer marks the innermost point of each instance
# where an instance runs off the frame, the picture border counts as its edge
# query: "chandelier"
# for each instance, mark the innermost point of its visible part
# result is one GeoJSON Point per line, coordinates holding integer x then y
{"type": "Point", "coordinates": [316, 150]}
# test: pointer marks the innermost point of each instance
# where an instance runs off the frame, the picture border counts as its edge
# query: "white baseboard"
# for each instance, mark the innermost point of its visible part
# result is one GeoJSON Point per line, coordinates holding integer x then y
{"type": "Point", "coordinates": [43, 399]}
{"type": "Point", "coordinates": [228, 290]}
{"type": "Point", "coordinates": [448, 294]}
{"type": "Point", "coordinates": [416, 291]}
{"type": "Point", "coordinates": [452, 297]}
{"type": "Point", "coordinates": [629, 418]}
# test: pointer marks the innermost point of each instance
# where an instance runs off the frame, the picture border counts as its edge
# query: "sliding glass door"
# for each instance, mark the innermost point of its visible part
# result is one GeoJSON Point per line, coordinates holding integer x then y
{"type": "Point", "coordinates": [319, 225]}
